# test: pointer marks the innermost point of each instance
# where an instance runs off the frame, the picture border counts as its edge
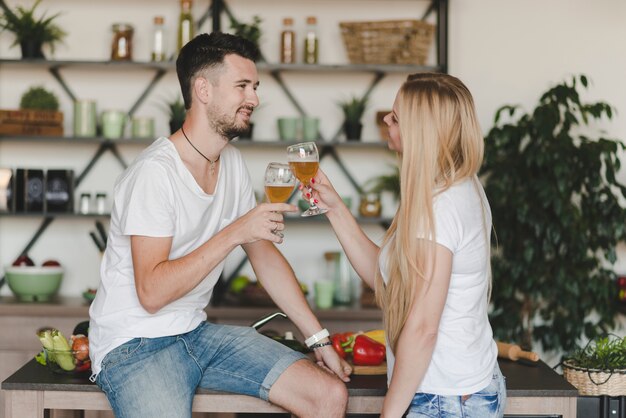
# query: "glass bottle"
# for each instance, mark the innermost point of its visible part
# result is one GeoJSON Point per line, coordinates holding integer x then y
{"type": "Point", "coordinates": [158, 39]}
{"type": "Point", "coordinates": [185, 23]}
{"type": "Point", "coordinates": [311, 41]}
{"type": "Point", "coordinates": [122, 46]}
{"type": "Point", "coordinates": [288, 42]}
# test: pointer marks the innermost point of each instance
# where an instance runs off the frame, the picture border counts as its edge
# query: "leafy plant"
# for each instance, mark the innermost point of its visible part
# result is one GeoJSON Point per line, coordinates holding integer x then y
{"type": "Point", "coordinates": [353, 108]}
{"type": "Point", "coordinates": [26, 27]}
{"type": "Point", "coordinates": [39, 98]}
{"type": "Point", "coordinates": [607, 353]}
{"type": "Point", "coordinates": [251, 31]}
{"type": "Point", "coordinates": [388, 182]}
{"type": "Point", "coordinates": [176, 113]}
{"type": "Point", "coordinates": [557, 220]}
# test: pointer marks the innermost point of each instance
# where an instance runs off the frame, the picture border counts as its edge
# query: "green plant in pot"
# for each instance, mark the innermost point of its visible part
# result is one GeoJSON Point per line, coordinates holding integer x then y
{"type": "Point", "coordinates": [557, 218]}
{"type": "Point", "coordinates": [176, 112]}
{"type": "Point", "coordinates": [599, 368]}
{"type": "Point", "coordinates": [40, 99]}
{"type": "Point", "coordinates": [250, 31]}
{"type": "Point", "coordinates": [353, 110]}
{"type": "Point", "coordinates": [31, 33]}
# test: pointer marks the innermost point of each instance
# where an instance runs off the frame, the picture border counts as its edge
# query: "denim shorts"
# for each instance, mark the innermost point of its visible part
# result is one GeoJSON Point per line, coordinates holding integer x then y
{"type": "Point", "coordinates": [487, 403]}
{"type": "Point", "coordinates": [158, 377]}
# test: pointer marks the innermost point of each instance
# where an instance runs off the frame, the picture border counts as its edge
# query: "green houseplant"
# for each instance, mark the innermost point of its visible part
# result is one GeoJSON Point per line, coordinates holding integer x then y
{"type": "Point", "coordinates": [353, 110]}
{"type": "Point", "coordinates": [557, 220]}
{"type": "Point", "coordinates": [386, 183]}
{"type": "Point", "coordinates": [599, 368]}
{"type": "Point", "coordinates": [39, 98]}
{"type": "Point", "coordinates": [31, 33]}
{"type": "Point", "coordinates": [250, 31]}
{"type": "Point", "coordinates": [176, 112]}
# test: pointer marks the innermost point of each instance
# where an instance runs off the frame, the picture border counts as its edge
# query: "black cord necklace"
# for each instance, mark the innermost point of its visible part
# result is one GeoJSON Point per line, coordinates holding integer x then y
{"type": "Point", "coordinates": [212, 166]}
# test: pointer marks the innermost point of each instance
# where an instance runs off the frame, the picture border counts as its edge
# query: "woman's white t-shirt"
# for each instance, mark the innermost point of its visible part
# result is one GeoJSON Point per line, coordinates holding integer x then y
{"type": "Point", "coordinates": [465, 352]}
{"type": "Point", "coordinates": [158, 197]}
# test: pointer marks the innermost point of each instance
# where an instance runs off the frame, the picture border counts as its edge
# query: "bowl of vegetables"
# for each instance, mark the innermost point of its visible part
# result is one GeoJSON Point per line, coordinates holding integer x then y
{"type": "Point", "coordinates": [64, 356]}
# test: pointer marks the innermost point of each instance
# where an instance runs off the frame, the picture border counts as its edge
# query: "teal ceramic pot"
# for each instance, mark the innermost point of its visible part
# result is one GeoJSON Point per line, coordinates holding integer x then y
{"type": "Point", "coordinates": [34, 284]}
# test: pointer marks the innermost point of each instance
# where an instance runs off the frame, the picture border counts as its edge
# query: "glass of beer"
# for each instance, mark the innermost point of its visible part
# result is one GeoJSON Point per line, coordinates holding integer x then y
{"type": "Point", "coordinates": [279, 183]}
{"type": "Point", "coordinates": [304, 161]}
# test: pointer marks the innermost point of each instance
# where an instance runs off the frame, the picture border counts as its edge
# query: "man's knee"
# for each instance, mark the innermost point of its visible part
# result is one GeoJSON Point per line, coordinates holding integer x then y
{"type": "Point", "coordinates": [334, 398]}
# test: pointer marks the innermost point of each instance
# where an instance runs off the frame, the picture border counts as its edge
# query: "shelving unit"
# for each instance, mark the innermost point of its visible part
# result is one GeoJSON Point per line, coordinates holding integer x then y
{"type": "Point", "coordinates": [158, 70]}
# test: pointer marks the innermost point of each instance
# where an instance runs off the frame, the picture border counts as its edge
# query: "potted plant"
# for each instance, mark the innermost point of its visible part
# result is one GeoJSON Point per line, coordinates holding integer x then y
{"type": "Point", "coordinates": [353, 110]}
{"type": "Point", "coordinates": [177, 112]}
{"type": "Point", "coordinates": [250, 31]}
{"type": "Point", "coordinates": [31, 33]}
{"type": "Point", "coordinates": [599, 368]}
{"type": "Point", "coordinates": [40, 99]}
{"type": "Point", "coordinates": [557, 218]}
{"type": "Point", "coordinates": [388, 187]}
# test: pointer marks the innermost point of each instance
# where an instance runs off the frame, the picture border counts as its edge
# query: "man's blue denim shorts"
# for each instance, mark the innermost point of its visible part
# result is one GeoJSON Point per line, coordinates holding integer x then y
{"type": "Point", "coordinates": [158, 377]}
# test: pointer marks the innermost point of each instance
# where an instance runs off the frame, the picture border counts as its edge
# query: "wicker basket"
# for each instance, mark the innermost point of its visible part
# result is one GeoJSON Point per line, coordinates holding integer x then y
{"type": "Point", "coordinates": [387, 42]}
{"type": "Point", "coordinates": [593, 382]}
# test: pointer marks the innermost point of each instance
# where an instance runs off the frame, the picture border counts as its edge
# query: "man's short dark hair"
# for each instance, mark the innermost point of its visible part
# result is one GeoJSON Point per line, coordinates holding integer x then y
{"type": "Point", "coordinates": [207, 51]}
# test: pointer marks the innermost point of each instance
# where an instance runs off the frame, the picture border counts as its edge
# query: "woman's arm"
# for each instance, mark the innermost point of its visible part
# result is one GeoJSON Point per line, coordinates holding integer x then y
{"type": "Point", "coordinates": [416, 343]}
{"type": "Point", "coordinates": [361, 251]}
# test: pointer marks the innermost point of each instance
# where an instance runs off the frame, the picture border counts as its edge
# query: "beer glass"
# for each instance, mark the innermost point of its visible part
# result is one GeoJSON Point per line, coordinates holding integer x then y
{"type": "Point", "coordinates": [279, 183]}
{"type": "Point", "coordinates": [304, 161]}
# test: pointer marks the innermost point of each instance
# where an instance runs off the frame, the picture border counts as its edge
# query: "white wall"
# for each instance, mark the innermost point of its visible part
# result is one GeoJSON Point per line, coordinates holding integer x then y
{"type": "Point", "coordinates": [507, 52]}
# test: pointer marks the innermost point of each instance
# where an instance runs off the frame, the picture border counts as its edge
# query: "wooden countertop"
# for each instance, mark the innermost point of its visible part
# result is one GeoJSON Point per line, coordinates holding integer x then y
{"type": "Point", "coordinates": [78, 307]}
{"type": "Point", "coordinates": [522, 380]}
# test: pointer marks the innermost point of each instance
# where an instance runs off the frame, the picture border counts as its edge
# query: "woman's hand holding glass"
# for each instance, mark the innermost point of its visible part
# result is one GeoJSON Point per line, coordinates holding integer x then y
{"type": "Point", "coordinates": [323, 192]}
{"type": "Point", "coordinates": [304, 161]}
{"type": "Point", "coordinates": [279, 184]}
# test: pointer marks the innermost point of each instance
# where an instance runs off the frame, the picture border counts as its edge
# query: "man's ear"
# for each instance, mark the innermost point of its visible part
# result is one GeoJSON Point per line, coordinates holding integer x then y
{"type": "Point", "coordinates": [203, 89]}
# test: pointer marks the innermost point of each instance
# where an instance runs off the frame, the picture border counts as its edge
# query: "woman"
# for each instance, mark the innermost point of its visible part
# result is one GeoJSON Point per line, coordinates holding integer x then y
{"type": "Point", "coordinates": [431, 274]}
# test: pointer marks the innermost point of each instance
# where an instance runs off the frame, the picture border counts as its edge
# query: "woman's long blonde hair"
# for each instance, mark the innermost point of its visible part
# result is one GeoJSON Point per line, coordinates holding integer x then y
{"type": "Point", "coordinates": [442, 144]}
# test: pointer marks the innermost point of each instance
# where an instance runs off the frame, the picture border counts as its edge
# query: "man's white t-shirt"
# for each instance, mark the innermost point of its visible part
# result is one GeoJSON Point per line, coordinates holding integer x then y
{"type": "Point", "coordinates": [465, 352]}
{"type": "Point", "coordinates": [158, 197]}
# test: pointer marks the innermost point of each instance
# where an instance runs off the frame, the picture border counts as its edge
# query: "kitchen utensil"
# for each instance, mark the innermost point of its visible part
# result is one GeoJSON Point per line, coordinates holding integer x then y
{"type": "Point", "coordinates": [34, 284]}
{"type": "Point", "coordinates": [514, 352]}
{"type": "Point", "coordinates": [267, 318]}
{"type": "Point", "coordinates": [96, 241]}
{"type": "Point", "coordinates": [103, 233]}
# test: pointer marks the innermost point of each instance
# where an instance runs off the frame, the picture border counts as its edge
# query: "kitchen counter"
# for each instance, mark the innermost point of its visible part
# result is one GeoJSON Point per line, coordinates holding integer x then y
{"type": "Point", "coordinates": [531, 389]}
{"type": "Point", "coordinates": [77, 306]}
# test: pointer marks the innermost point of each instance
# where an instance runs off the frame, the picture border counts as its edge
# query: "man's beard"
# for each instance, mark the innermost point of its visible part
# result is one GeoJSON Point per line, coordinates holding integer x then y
{"type": "Point", "coordinates": [228, 128]}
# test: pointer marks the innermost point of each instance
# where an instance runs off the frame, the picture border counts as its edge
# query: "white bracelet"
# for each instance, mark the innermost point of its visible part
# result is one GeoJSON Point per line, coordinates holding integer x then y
{"type": "Point", "coordinates": [318, 336]}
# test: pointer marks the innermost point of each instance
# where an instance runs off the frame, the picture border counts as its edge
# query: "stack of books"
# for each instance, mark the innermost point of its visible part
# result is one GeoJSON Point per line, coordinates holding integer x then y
{"type": "Point", "coordinates": [31, 122]}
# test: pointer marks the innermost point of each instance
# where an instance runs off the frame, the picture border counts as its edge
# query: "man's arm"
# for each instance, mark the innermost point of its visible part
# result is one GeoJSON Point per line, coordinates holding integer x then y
{"type": "Point", "coordinates": [280, 282]}
{"type": "Point", "coordinates": [160, 281]}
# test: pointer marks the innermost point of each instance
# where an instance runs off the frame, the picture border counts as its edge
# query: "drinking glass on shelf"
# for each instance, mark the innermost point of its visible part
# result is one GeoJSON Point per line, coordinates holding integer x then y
{"type": "Point", "coordinates": [304, 160]}
{"type": "Point", "coordinates": [279, 183]}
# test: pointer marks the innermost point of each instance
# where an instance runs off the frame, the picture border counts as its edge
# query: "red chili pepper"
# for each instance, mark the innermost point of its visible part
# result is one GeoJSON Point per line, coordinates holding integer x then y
{"type": "Point", "coordinates": [341, 343]}
{"type": "Point", "coordinates": [367, 352]}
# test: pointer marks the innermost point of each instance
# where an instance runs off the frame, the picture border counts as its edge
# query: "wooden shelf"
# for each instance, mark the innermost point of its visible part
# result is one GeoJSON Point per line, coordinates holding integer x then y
{"type": "Point", "coordinates": [261, 66]}
{"type": "Point", "coordinates": [76, 140]}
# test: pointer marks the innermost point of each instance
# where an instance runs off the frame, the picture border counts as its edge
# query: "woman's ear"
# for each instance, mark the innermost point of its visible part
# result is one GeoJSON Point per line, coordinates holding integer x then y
{"type": "Point", "coordinates": [202, 89]}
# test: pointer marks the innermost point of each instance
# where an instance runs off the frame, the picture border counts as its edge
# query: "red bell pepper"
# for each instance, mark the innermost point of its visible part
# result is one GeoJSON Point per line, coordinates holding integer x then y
{"type": "Point", "coordinates": [367, 352]}
{"type": "Point", "coordinates": [342, 342]}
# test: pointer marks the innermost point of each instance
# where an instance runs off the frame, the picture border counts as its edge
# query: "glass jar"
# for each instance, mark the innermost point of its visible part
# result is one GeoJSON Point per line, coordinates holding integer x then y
{"type": "Point", "coordinates": [370, 205]}
{"type": "Point", "coordinates": [158, 39]}
{"type": "Point", "coordinates": [84, 205]}
{"type": "Point", "coordinates": [101, 200]}
{"type": "Point", "coordinates": [122, 46]}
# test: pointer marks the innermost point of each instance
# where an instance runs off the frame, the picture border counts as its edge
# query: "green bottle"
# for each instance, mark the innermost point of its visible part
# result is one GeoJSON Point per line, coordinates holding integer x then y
{"type": "Point", "coordinates": [185, 24]}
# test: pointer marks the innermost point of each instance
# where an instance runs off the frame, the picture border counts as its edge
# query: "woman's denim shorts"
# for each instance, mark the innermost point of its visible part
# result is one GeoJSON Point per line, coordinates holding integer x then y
{"type": "Point", "coordinates": [487, 403]}
{"type": "Point", "coordinates": [158, 377]}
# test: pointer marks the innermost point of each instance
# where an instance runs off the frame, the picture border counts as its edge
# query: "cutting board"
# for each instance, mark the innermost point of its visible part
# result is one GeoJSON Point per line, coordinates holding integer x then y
{"type": "Point", "coordinates": [369, 370]}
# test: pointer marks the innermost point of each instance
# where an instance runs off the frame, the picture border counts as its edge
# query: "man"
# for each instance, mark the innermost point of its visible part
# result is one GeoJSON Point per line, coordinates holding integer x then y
{"type": "Point", "coordinates": [183, 205]}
